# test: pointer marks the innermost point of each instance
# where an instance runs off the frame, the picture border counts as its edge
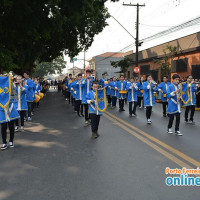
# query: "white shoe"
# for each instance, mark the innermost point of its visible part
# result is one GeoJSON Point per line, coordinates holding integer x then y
{"type": "Point", "coordinates": [178, 133]}
{"type": "Point", "coordinates": [86, 123]}
{"type": "Point", "coordinates": [29, 119]}
{"type": "Point", "coordinates": [22, 128]}
{"type": "Point", "coordinates": [4, 146]}
{"type": "Point", "coordinates": [170, 131]}
{"type": "Point", "coordinates": [148, 121]}
{"type": "Point", "coordinates": [16, 128]}
{"type": "Point", "coordinates": [11, 144]}
{"type": "Point", "coordinates": [192, 122]}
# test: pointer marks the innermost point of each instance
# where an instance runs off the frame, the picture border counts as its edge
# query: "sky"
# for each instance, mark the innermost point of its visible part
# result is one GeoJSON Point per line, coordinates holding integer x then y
{"type": "Point", "coordinates": [156, 16]}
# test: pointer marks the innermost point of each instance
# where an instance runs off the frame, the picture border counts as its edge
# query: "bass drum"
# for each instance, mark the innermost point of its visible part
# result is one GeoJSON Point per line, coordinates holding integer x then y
{"type": "Point", "coordinates": [41, 95]}
{"type": "Point", "coordinates": [37, 98]}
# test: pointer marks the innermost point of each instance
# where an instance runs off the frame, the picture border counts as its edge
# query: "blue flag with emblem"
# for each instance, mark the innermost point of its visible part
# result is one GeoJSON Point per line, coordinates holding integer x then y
{"type": "Point", "coordinates": [5, 91]}
{"type": "Point", "coordinates": [101, 99]}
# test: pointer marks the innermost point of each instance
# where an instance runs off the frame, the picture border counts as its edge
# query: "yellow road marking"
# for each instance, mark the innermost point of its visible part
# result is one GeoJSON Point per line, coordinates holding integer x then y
{"type": "Point", "coordinates": [149, 143]}
{"type": "Point", "coordinates": [171, 149]}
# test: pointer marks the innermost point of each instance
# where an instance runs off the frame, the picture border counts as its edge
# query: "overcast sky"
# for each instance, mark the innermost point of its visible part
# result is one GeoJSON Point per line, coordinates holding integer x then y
{"type": "Point", "coordinates": [156, 16]}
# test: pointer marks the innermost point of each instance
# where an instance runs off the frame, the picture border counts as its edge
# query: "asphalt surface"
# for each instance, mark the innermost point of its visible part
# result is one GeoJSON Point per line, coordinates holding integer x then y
{"type": "Point", "coordinates": [55, 158]}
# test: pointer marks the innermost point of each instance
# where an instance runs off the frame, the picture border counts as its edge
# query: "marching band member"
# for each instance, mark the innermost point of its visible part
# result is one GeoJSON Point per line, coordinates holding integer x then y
{"type": "Point", "coordinates": [72, 92]}
{"type": "Point", "coordinates": [102, 80]}
{"type": "Point", "coordinates": [132, 89]}
{"type": "Point", "coordinates": [68, 81]}
{"type": "Point", "coordinates": [38, 87]}
{"type": "Point", "coordinates": [86, 88]}
{"type": "Point", "coordinates": [93, 110]}
{"type": "Point", "coordinates": [121, 87]}
{"type": "Point", "coordinates": [37, 90]}
{"type": "Point", "coordinates": [108, 92]}
{"type": "Point", "coordinates": [149, 99]}
{"type": "Point", "coordinates": [8, 112]}
{"type": "Point", "coordinates": [163, 89]}
{"type": "Point", "coordinates": [78, 91]}
{"type": "Point", "coordinates": [188, 94]}
{"type": "Point", "coordinates": [113, 91]}
{"type": "Point", "coordinates": [140, 92]}
{"type": "Point", "coordinates": [174, 104]}
{"type": "Point", "coordinates": [30, 93]}
{"type": "Point", "coordinates": [21, 104]}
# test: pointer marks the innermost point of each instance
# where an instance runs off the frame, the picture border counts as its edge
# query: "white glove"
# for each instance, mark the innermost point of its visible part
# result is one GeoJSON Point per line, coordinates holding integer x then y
{"type": "Point", "coordinates": [148, 87]}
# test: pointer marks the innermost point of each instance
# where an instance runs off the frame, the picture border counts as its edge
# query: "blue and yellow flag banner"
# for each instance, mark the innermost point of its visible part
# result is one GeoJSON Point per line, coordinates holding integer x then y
{"type": "Point", "coordinates": [5, 90]}
{"type": "Point", "coordinates": [101, 100]}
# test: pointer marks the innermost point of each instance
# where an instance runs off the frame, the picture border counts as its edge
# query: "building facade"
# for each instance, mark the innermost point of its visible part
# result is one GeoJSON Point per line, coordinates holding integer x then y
{"type": "Point", "coordinates": [102, 64]}
{"type": "Point", "coordinates": [185, 61]}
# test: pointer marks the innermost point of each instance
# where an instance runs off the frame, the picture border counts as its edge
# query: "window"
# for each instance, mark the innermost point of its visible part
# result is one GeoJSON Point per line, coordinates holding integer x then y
{"type": "Point", "coordinates": [180, 65]}
{"type": "Point", "coordinates": [196, 71]}
{"type": "Point", "coordinates": [144, 69]}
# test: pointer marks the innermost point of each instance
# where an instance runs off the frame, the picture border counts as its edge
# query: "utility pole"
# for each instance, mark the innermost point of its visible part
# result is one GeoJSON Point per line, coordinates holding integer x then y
{"type": "Point", "coordinates": [84, 60]}
{"type": "Point", "coordinates": [73, 67]}
{"type": "Point", "coordinates": [137, 29]}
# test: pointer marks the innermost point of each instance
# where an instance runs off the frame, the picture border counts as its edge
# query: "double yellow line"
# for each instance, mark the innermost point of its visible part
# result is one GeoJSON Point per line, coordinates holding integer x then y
{"type": "Point", "coordinates": [166, 150]}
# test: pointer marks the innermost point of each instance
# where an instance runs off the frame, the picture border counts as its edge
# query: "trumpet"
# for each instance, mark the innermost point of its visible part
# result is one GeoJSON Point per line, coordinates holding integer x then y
{"type": "Point", "coordinates": [154, 83]}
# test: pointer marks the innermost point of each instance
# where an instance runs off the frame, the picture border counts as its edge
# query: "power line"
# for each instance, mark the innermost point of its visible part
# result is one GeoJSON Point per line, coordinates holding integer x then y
{"type": "Point", "coordinates": [123, 27]}
{"type": "Point", "coordinates": [173, 29]}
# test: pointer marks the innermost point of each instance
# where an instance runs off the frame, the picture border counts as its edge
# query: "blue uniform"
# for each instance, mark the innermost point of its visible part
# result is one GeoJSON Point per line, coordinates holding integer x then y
{"type": "Point", "coordinates": [174, 106]}
{"type": "Point", "coordinates": [132, 91]}
{"type": "Point", "coordinates": [140, 87]}
{"type": "Point", "coordinates": [92, 106]}
{"type": "Point", "coordinates": [163, 86]}
{"type": "Point", "coordinates": [189, 94]}
{"type": "Point", "coordinates": [86, 88]}
{"type": "Point", "coordinates": [38, 88]}
{"type": "Point", "coordinates": [102, 82]}
{"type": "Point", "coordinates": [112, 85]}
{"type": "Point", "coordinates": [77, 87]}
{"type": "Point", "coordinates": [67, 84]}
{"type": "Point", "coordinates": [121, 85]}
{"type": "Point", "coordinates": [149, 98]}
{"type": "Point", "coordinates": [8, 114]}
{"type": "Point", "coordinates": [71, 89]}
{"type": "Point", "coordinates": [108, 89]}
{"type": "Point", "coordinates": [21, 104]}
{"type": "Point", "coordinates": [30, 92]}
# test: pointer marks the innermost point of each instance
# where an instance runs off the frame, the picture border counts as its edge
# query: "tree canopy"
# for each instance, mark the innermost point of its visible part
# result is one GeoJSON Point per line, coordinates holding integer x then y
{"type": "Point", "coordinates": [44, 68]}
{"type": "Point", "coordinates": [124, 64]}
{"type": "Point", "coordinates": [45, 29]}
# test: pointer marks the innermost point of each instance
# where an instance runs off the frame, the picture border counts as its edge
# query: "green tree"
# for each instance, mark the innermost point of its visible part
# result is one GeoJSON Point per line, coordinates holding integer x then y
{"type": "Point", "coordinates": [164, 62]}
{"type": "Point", "coordinates": [124, 64]}
{"type": "Point", "coordinates": [45, 29]}
{"type": "Point", "coordinates": [45, 68]}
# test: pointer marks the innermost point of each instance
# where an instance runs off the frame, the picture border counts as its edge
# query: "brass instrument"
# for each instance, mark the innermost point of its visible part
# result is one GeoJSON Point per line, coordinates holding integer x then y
{"type": "Point", "coordinates": [154, 83]}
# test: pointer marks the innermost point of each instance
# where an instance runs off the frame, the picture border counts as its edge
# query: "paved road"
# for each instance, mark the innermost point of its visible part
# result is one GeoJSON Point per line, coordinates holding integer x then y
{"type": "Point", "coordinates": [56, 159]}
